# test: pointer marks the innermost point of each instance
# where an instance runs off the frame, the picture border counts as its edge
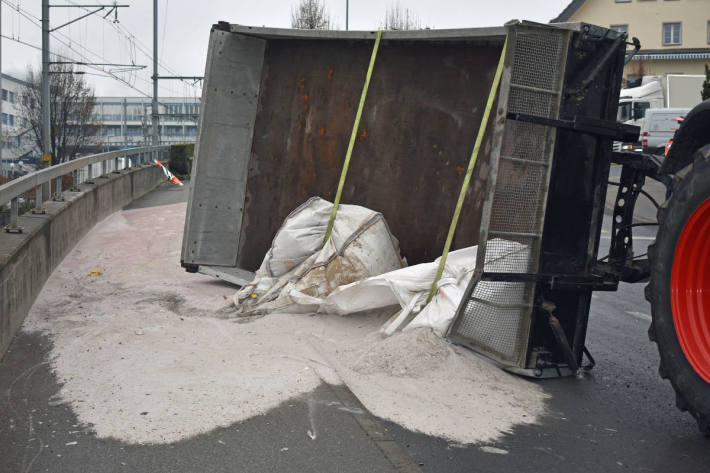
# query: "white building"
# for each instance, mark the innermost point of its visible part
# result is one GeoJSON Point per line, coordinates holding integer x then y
{"type": "Point", "coordinates": [126, 121]}
{"type": "Point", "coordinates": [17, 142]}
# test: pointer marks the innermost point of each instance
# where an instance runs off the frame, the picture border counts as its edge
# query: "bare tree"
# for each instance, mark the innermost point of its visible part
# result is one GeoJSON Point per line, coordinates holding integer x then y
{"type": "Point", "coordinates": [397, 18]}
{"type": "Point", "coordinates": [310, 15]}
{"type": "Point", "coordinates": [73, 124]}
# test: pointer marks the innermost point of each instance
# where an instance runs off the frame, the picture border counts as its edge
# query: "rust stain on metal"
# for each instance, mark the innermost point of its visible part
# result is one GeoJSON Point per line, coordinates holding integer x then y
{"type": "Point", "coordinates": [421, 95]}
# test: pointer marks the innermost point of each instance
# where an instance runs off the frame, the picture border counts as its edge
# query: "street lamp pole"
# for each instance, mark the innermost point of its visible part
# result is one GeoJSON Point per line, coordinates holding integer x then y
{"type": "Point", "coordinates": [347, 14]}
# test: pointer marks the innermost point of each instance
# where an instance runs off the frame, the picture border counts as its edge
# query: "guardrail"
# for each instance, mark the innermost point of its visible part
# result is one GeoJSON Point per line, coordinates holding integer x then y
{"type": "Point", "coordinates": [112, 161]}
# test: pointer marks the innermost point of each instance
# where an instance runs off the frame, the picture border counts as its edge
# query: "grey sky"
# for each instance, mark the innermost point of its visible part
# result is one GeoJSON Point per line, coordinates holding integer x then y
{"type": "Point", "coordinates": [184, 27]}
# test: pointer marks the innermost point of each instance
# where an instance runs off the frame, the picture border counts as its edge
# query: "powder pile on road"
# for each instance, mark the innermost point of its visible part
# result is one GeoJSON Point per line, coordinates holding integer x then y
{"type": "Point", "coordinates": [147, 353]}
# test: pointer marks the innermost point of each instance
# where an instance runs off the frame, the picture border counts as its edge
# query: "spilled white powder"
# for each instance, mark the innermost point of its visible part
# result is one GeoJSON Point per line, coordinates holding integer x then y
{"type": "Point", "coordinates": [419, 380]}
{"type": "Point", "coordinates": [147, 353]}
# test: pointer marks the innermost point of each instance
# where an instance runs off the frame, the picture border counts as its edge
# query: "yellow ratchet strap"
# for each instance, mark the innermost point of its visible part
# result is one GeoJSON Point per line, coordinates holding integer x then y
{"type": "Point", "coordinates": [469, 171]}
{"type": "Point", "coordinates": [353, 135]}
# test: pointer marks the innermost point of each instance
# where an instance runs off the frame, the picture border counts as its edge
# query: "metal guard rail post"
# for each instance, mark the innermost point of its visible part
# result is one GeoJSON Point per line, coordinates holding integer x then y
{"type": "Point", "coordinates": [11, 191]}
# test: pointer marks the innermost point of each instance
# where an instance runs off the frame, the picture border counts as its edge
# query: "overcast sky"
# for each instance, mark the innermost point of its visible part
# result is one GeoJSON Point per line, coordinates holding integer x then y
{"type": "Point", "coordinates": [184, 27]}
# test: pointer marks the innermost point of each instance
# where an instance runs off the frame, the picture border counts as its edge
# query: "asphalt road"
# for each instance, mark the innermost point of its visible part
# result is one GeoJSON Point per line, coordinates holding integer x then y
{"type": "Point", "coordinates": [619, 417]}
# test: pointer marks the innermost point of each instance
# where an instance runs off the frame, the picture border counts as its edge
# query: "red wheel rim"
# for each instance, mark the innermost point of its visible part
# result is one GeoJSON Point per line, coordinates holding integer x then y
{"type": "Point", "coordinates": [690, 290]}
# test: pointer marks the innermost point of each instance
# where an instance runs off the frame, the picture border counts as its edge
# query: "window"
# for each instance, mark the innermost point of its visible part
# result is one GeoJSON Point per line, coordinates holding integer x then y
{"type": "Point", "coordinates": [4, 118]}
{"type": "Point", "coordinates": [620, 28]}
{"type": "Point", "coordinates": [133, 131]}
{"type": "Point", "coordinates": [671, 34]}
{"type": "Point", "coordinates": [624, 112]}
{"type": "Point", "coordinates": [640, 109]}
{"type": "Point", "coordinates": [4, 95]}
{"type": "Point", "coordinates": [114, 130]}
{"type": "Point", "coordinates": [173, 109]}
{"type": "Point", "coordinates": [12, 120]}
{"type": "Point", "coordinates": [173, 130]}
{"type": "Point", "coordinates": [192, 109]}
{"type": "Point", "coordinates": [12, 97]}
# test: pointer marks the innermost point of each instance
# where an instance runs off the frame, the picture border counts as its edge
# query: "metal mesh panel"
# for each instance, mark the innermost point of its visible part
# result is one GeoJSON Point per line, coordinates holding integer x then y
{"type": "Point", "coordinates": [517, 183]}
{"type": "Point", "coordinates": [532, 102]}
{"type": "Point", "coordinates": [494, 317]}
{"type": "Point", "coordinates": [519, 262]}
{"type": "Point", "coordinates": [525, 141]}
{"type": "Point", "coordinates": [501, 338]}
{"type": "Point", "coordinates": [536, 62]}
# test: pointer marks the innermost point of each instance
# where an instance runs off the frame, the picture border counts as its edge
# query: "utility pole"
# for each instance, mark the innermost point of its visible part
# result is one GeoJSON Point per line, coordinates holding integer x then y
{"type": "Point", "coordinates": [347, 13]}
{"type": "Point", "coordinates": [46, 123]}
{"type": "Point", "coordinates": [46, 127]}
{"type": "Point", "coordinates": [154, 116]}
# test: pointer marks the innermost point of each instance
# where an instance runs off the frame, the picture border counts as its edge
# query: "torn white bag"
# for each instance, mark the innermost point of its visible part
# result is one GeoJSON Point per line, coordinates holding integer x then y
{"type": "Point", "coordinates": [360, 269]}
{"type": "Point", "coordinates": [298, 271]}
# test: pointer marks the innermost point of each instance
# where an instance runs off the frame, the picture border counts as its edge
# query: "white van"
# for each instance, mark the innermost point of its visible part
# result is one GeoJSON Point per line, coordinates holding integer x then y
{"type": "Point", "coordinates": [658, 127]}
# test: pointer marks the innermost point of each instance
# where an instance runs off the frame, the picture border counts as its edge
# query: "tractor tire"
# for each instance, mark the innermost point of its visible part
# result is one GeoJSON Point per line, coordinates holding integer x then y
{"type": "Point", "coordinates": [679, 289]}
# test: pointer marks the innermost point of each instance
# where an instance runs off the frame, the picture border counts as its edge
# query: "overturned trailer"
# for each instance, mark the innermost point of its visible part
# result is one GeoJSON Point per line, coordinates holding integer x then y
{"type": "Point", "coordinates": [277, 113]}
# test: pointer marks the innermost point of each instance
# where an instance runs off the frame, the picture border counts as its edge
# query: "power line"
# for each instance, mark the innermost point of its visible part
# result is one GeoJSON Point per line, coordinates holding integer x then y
{"type": "Point", "coordinates": [36, 21]}
{"type": "Point", "coordinates": [142, 46]}
{"type": "Point", "coordinates": [84, 57]}
{"type": "Point", "coordinates": [106, 73]}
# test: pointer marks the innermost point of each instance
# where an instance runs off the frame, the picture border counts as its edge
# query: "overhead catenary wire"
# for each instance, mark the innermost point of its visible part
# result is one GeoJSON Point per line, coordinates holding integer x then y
{"type": "Point", "coordinates": [87, 55]}
{"type": "Point", "coordinates": [106, 74]}
{"type": "Point", "coordinates": [84, 58]}
{"type": "Point", "coordinates": [142, 47]}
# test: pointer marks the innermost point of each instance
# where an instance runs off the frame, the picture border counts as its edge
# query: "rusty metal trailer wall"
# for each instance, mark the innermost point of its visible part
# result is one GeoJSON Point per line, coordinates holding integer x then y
{"type": "Point", "coordinates": [419, 123]}
{"type": "Point", "coordinates": [422, 112]}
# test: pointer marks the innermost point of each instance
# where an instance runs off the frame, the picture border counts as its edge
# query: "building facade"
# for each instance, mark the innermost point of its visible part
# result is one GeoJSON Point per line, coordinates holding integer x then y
{"type": "Point", "coordinates": [17, 145]}
{"type": "Point", "coordinates": [126, 121]}
{"type": "Point", "coordinates": [674, 34]}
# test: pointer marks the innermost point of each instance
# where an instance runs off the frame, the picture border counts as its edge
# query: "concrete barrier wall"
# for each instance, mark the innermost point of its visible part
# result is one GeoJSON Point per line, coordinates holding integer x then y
{"type": "Point", "coordinates": [28, 259]}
